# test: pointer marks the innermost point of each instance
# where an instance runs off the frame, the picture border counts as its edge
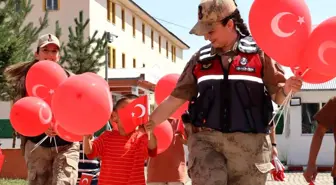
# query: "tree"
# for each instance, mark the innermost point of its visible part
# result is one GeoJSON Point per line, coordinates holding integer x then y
{"type": "Point", "coordinates": [16, 37]}
{"type": "Point", "coordinates": [82, 55]}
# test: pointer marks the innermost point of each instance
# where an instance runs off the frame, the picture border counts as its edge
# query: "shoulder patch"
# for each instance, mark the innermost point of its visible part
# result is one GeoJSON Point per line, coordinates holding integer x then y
{"type": "Point", "coordinates": [205, 54]}
{"type": "Point", "coordinates": [248, 45]}
{"type": "Point", "coordinates": [206, 66]}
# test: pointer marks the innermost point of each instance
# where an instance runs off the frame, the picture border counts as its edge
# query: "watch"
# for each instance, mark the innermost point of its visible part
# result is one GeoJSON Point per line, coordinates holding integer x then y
{"type": "Point", "coordinates": [274, 144]}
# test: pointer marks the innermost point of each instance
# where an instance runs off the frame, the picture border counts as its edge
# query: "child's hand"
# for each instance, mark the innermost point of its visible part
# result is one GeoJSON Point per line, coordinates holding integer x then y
{"type": "Point", "coordinates": [89, 137]}
{"type": "Point", "coordinates": [310, 173]}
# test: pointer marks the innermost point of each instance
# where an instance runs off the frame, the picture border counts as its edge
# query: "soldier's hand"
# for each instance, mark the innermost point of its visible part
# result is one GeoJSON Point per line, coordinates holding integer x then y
{"type": "Point", "coordinates": [293, 84]}
{"type": "Point", "coordinates": [274, 152]}
{"type": "Point", "coordinates": [310, 173]}
{"type": "Point", "coordinates": [50, 132]}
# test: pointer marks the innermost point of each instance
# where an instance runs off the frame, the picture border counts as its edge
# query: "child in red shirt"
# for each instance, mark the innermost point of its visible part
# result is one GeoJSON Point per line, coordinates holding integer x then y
{"type": "Point", "coordinates": [122, 155]}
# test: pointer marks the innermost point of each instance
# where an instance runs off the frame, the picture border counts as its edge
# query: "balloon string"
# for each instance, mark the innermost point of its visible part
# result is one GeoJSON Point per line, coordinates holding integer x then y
{"type": "Point", "coordinates": [39, 143]}
{"type": "Point", "coordinates": [305, 72]}
{"type": "Point", "coordinates": [55, 144]}
{"type": "Point", "coordinates": [281, 109]}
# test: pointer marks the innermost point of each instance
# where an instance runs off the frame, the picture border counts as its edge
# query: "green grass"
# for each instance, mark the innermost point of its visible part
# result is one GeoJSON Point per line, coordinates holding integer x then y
{"type": "Point", "coordinates": [12, 182]}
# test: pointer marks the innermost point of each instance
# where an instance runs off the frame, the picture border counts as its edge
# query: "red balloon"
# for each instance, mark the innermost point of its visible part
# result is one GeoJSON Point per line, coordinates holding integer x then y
{"type": "Point", "coordinates": [164, 136]}
{"type": "Point", "coordinates": [65, 135]}
{"type": "Point", "coordinates": [320, 50]}
{"type": "Point", "coordinates": [163, 89]}
{"type": "Point", "coordinates": [165, 86]}
{"type": "Point", "coordinates": [79, 105]}
{"type": "Point", "coordinates": [311, 76]}
{"type": "Point", "coordinates": [30, 116]}
{"type": "Point", "coordinates": [43, 78]}
{"type": "Point", "coordinates": [280, 28]}
{"type": "Point", "coordinates": [104, 83]}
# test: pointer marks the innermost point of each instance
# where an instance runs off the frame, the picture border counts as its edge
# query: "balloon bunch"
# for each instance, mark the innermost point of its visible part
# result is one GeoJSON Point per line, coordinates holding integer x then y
{"type": "Point", "coordinates": [284, 31]}
{"type": "Point", "coordinates": [73, 106]}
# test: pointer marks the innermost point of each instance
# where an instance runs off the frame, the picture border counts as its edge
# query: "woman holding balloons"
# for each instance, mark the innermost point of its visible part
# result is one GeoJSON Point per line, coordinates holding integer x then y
{"type": "Point", "coordinates": [54, 161]}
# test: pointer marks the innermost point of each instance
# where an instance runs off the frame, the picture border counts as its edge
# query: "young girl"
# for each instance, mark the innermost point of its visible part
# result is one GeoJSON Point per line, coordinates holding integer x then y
{"type": "Point", "coordinates": [122, 155]}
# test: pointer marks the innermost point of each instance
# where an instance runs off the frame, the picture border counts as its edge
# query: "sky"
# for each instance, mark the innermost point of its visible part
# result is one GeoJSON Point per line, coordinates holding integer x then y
{"type": "Point", "coordinates": [179, 16]}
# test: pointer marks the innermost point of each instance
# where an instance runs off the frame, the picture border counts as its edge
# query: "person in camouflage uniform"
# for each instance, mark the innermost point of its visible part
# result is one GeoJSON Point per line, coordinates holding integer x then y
{"type": "Point", "coordinates": [230, 84]}
{"type": "Point", "coordinates": [47, 165]}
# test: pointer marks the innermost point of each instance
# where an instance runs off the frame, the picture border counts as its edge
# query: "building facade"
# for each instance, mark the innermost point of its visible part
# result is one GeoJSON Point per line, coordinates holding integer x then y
{"type": "Point", "coordinates": [140, 42]}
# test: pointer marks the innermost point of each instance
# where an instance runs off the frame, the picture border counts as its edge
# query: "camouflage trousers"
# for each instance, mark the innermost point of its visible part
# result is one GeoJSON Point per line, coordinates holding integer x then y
{"type": "Point", "coordinates": [47, 167]}
{"type": "Point", "coordinates": [217, 158]}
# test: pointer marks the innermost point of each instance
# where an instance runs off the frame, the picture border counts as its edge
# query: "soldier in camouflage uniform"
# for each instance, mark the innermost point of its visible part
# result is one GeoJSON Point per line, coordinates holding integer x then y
{"type": "Point", "coordinates": [47, 165]}
{"type": "Point", "coordinates": [230, 84]}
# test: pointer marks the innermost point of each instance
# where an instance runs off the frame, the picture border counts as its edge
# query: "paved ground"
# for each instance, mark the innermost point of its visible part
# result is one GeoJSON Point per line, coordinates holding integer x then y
{"type": "Point", "coordinates": [297, 179]}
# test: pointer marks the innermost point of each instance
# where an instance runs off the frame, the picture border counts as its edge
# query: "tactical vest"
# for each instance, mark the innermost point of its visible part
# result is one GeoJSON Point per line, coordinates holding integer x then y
{"type": "Point", "coordinates": [233, 100]}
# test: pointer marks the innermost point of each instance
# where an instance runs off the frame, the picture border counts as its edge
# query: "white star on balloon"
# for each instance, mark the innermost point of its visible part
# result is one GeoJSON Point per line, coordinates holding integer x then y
{"type": "Point", "coordinates": [301, 20]}
{"type": "Point", "coordinates": [51, 91]}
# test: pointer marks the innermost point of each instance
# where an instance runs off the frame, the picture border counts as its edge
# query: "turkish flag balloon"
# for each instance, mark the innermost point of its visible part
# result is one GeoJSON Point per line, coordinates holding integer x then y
{"type": "Point", "coordinates": [311, 76]}
{"type": "Point", "coordinates": [43, 78]}
{"type": "Point", "coordinates": [30, 116]}
{"type": "Point", "coordinates": [164, 88]}
{"type": "Point", "coordinates": [81, 105]}
{"type": "Point", "coordinates": [280, 28]}
{"type": "Point", "coordinates": [320, 50]}
{"type": "Point", "coordinates": [65, 135]}
{"type": "Point", "coordinates": [164, 136]}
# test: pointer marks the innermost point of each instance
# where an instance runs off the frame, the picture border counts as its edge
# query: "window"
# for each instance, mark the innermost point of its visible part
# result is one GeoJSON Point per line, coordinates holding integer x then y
{"type": "Point", "coordinates": [123, 65]}
{"type": "Point", "coordinates": [134, 25]}
{"type": "Point", "coordinates": [173, 51]}
{"type": "Point", "coordinates": [309, 124]}
{"type": "Point", "coordinates": [123, 19]}
{"type": "Point", "coordinates": [112, 57]}
{"type": "Point", "coordinates": [159, 44]}
{"type": "Point", "coordinates": [143, 33]}
{"type": "Point", "coordinates": [111, 11]}
{"type": "Point", "coordinates": [134, 63]}
{"type": "Point", "coordinates": [152, 39]}
{"type": "Point", "coordinates": [167, 49]}
{"type": "Point", "coordinates": [51, 5]}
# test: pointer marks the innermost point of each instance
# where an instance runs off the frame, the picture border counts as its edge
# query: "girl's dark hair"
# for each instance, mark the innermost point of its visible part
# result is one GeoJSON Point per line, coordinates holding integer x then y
{"type": "Point", "coordinates": [239, 23]}
{"type": "Point", "coordinates": [16, 76]}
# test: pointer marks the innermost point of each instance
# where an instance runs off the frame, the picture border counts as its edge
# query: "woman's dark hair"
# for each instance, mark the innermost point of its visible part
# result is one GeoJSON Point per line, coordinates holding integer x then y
{"type": "Point", "coordinates": [16, 76]}
{"type": "Point", "coordinates": [239, 23]}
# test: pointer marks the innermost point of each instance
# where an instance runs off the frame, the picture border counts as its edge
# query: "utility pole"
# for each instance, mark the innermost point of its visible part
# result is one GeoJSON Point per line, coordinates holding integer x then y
{"type": "Point", "coordinates": [109, 38]}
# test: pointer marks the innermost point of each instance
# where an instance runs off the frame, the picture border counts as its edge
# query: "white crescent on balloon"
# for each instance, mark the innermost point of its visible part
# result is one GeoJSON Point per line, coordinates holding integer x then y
{"type": "Point", "coordinates": [323, 47]}
{"type": "Point", "coordinates": [41, 117]}
{"type": "Point", "coordinates": [35, 88]}
{"type": "Point", "coordinates": [275, 25]}
{"type": "Point", "coordinates": [143, 110]}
